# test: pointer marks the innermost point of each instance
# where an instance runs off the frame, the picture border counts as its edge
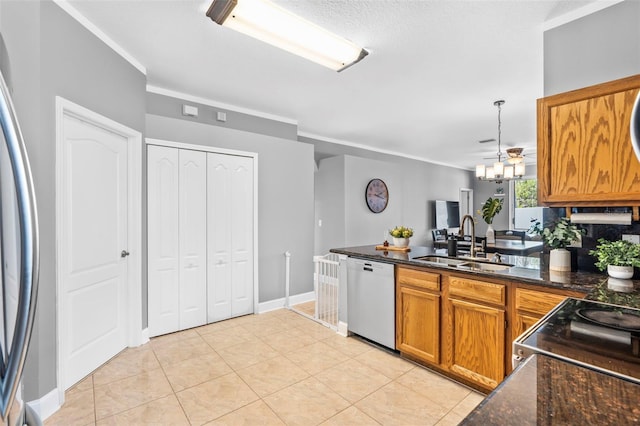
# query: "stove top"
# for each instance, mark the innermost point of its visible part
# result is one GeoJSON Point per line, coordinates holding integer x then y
{"type": "Point", "coordinates": [595, 334]}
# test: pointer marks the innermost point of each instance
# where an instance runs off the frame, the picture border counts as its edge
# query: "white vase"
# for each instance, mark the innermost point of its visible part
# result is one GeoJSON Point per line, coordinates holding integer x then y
{"type": "Point", "coordinates": [560, 260]}
{"type": "Point", "coordinates": [622, 272]}
{"type": "Point", "coordinates": [491, 235]}
{"type": "Point", "coordinates": [400, 242]}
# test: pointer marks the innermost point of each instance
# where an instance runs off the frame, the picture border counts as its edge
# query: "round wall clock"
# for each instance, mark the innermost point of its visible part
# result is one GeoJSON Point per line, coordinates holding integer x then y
{"type": "Point", "coordinates": [377, 195]}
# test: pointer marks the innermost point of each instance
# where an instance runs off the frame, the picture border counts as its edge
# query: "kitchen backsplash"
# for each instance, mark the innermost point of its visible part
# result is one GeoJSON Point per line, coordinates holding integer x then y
{"type": "Point", "coordinates": [585, 262]}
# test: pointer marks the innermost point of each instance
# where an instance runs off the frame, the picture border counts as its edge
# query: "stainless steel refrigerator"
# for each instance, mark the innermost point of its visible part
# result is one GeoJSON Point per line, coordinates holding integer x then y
{"type": "Point", "coordinates": [19, 260]}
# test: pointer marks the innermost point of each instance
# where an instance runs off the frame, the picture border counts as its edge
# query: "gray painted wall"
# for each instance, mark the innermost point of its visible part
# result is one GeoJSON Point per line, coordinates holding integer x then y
{"type": "Point", "coordinates": [329, 205]}
{"type": "Point", "coordinates": [158, 105]}
{"type": "Point", "coordinates": [51, 55]}
{"type": "Point", "coordinates": [594, 49]}
{"type": "Point", "coordinates": [412, 185]}
{"type": "Point", "coordinates": [285, 195]}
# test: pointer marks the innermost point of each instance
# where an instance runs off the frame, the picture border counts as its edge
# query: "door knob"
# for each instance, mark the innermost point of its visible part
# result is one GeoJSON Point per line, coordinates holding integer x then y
{"type": "Point", "coordinates": [124, 253]}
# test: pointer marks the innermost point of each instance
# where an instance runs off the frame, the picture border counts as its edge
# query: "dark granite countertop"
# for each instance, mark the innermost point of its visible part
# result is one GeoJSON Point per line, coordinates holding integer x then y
{"type": "Point", "coordinates": [525, 270]}
{"type": "Point", "coordinates": [545, 391]}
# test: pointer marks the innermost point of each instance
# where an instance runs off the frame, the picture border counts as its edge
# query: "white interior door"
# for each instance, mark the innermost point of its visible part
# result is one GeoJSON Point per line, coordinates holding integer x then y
{"type": "Point", "coordinates": [229, 236]}
{"type": "Point", "coordinates": [163, 240]}
{"type": "Point", "coordinates": [93, 235]}
{"type": "Point", "coordinates": [193, 238]}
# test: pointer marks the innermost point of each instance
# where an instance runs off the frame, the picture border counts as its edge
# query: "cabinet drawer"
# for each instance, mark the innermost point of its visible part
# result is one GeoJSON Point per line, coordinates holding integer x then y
{"type": "Point", "coordinates": [477, 290]}
{"type": "Point", "coordinates": [539, 302]}
{"type": "Point", "coordinates": [421, 279]}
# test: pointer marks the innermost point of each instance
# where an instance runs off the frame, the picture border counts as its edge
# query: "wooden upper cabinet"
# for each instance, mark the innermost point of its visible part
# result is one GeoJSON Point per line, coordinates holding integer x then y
{"type": "Point", "coordinates": [585, 157]}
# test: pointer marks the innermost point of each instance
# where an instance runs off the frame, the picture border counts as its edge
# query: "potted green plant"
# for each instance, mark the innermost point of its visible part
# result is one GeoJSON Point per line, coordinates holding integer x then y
{"type": "Point", "coordinates": [617, 257]}
{"type": "Point", "coordinates": [489, 210]}
{"type": "Point", "coordinates": [401, 235]}
{"type": "Point", "coordinates": [558, 237]}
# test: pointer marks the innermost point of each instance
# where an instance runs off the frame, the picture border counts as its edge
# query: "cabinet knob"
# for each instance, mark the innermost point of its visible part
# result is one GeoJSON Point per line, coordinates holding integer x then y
{"type": "Point", "coordinates": [124, 253]}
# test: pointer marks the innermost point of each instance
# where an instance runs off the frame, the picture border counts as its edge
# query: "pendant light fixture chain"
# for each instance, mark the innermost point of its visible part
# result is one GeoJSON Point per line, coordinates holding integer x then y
{"type": "Point", "coordinates": [499, 104]}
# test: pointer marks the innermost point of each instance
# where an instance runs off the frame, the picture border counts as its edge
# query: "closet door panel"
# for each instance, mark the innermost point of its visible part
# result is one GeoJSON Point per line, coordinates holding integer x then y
{"type": "Point", "coordinates": [242, 238]}
{"type": "Point", "coordinates": [219, 231]}
{"type": "Point", "coordinates": [163, 248]}
{"type": "Point", "coordinates": [193, 243]}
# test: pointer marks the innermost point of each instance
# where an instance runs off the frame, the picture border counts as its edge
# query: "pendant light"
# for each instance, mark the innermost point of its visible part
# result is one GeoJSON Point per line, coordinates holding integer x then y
{"type": "Point", "coordinates": [499, 171]}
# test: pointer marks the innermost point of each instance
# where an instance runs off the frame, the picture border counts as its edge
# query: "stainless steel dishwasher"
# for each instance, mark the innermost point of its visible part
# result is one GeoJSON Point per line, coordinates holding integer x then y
{"type": "Point", "coordinates": [371, 301]}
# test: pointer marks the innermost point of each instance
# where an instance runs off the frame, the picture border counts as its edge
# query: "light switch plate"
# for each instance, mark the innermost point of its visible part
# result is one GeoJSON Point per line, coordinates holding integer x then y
{"type": "Point", "coordinates": [631, 237]}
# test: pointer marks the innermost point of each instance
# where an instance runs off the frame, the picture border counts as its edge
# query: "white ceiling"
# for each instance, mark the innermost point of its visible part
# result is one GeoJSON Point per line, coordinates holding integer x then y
{"type": "Point", "coordinates": [426, 90]}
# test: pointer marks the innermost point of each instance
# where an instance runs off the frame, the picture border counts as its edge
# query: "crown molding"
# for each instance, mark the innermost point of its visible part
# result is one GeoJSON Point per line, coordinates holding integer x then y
{"type": "Point", "coordinates": [75, 14]}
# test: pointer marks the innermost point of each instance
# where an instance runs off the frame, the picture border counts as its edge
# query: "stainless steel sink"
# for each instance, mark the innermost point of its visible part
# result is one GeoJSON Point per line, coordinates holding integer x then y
{"type": "Point", "coordinates": [483, 266]}
{"type": "Point", "coordinates": [450, 261]}
{"type": "Point", "coordinates": [465, 263]}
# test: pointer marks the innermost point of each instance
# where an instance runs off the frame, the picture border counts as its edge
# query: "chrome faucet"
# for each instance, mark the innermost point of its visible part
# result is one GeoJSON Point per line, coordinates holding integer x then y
{"type": "Point", "coordinates": [472, 252]}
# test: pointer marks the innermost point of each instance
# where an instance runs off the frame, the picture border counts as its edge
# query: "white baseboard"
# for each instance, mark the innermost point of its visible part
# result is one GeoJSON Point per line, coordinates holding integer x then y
{"type": "Point", "coordinates": [342, 329]}
{"type": "Point", "coordinates": [47, 405]}
{"type": "Point", "coordinates": [274, 304]}
{"type": "Point", "coordinates": [302, 298]}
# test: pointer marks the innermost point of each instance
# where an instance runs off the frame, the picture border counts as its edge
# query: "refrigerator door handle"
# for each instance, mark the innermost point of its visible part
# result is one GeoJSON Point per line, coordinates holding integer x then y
{"type": "Point", "coordinates": [28, 254]}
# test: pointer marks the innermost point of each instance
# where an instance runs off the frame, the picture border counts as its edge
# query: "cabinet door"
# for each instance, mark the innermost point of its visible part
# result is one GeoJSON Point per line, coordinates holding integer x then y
{"type": "Point", "coordinates": [163, 250]}
{"type": "Point", "coordinates": [477, 342]}
{"type": "Point", "coordinates": [523, 321]}
{"type": "Point", "coordinates": [193, 243]}
{"type": "Point", "coordinates": [585, 156]}
{"type": "Point", "coordinates": [418, 324]}
{"type": "Point", "coordinates": [230, 235]}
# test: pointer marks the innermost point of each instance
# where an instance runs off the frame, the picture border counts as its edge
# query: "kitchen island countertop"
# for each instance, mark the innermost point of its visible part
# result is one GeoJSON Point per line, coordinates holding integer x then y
{"type": "Point", "coordinates": [545, 390]}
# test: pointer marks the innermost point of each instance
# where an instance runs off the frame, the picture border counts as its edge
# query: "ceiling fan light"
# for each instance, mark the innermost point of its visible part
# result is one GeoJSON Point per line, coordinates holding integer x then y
{"type": "Point", "coordinates": [515, 160]}
{"type": "Point", "coordinates": [272, 24]}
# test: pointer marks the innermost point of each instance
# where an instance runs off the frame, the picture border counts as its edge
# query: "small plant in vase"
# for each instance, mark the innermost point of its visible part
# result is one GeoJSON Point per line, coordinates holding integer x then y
{"type": "Point", "coordinates": [558, 238]}
{"type": "Point", "coordinates": [617, 257]}
{"type": "Point", "coordinates": [401, 235]}
{"type": "Point", "coordinates": [489, 210]}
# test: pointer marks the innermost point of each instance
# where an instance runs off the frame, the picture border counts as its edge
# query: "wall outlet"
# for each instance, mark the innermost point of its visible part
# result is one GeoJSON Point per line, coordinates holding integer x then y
{"type": "Point", "coordinates": [631, 237]}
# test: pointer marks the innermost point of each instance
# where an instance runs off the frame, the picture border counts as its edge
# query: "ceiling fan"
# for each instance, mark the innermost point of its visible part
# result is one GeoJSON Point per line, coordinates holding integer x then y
{"type": "Point", "coordinates": [514, 155]}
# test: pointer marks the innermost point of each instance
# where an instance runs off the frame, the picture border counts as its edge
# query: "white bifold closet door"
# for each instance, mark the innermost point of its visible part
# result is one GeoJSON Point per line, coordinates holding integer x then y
{"type": "Point", "coordinates": [193, 238]}
{"type": "Point", "coordinates": [176, 239]}
{"type": "Point", "coordinates": [200, 237]}
{"type": "Point", "coordinates": [229, 236]}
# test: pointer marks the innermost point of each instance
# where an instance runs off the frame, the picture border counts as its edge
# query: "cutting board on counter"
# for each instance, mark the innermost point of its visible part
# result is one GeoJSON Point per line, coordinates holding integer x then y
{"type": "Point", "coordinates": [392, 248]}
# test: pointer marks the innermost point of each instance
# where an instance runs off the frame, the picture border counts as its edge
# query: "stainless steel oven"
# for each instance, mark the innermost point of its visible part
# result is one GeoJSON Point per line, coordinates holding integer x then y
{"type": "Point", "coordinates": [597, 335]}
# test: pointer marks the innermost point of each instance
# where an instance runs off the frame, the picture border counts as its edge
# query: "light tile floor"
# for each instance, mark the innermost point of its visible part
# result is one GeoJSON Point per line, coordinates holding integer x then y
{"type": "Point", "coordinates": [277, 368]}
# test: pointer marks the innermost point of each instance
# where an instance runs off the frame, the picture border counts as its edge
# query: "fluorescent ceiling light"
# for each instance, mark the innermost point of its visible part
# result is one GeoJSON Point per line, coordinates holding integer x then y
{"type": "Point", "coordinates": [272, 24]}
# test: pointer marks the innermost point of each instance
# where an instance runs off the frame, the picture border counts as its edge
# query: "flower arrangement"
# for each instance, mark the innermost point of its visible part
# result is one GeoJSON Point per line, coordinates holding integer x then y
{"type": "Point", "coordinates": [559, 236]}
{"type": "Point", "coordinates": [401, 232]}
{"type": "Point", "coordinates": [616, 253]}
{"type": "Point", "coordinates": [490, 209]}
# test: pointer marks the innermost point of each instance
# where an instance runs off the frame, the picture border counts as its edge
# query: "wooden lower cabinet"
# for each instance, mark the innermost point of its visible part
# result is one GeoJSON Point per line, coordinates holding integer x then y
{"type": "Point", "coordinates": [476, 330]}
{"type": "Point", "coordinates": [418, 323]}
{"type": "Point", "coordinates": [418, 314]}
{"type": "Point", "coordinates": [532, 304]}
{"type": "Point", "coordinates": [463, 326]}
